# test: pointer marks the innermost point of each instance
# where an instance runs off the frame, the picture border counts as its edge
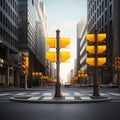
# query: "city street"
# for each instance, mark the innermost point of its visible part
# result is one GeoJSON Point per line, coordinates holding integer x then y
{"type": "Point", "coordinates": [84, 111]}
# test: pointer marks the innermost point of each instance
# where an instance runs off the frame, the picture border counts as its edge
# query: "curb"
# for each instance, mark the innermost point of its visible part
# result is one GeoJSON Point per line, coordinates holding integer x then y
{"type": "Point", "coordinates": [105, 99]}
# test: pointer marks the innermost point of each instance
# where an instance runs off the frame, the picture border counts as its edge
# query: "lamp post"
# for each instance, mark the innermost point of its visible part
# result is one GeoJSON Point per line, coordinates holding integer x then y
{"type": "Point", "coordinates": [58, 84]}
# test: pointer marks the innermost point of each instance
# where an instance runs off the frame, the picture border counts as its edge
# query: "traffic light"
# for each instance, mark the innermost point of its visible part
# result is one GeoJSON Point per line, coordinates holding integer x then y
{"type": "Point", "coordinates": [99, 48]}
{"type": "Point", "coordinates": [117, 63]}
{"type": "Point", "coordinates": [25, 64]}
{"type": "Point", "coordinates": [51, 56]}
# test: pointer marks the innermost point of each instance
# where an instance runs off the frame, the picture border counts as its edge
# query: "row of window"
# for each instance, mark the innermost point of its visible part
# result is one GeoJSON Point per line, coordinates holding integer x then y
{"type": "Point", "coordinates": [99, 10]}
{"type": "Point", "coordinates": [102, 28]}
{"type": "Point", "coordinates": [8, 38]}
{"type": "Point", "coordinates": [97, 2]}
{"type": "Point", "coordinates": [8, 9]}
{"type": "Point", "coordinates": [13, 3]}
{"type": "Point", "coordinates": [6, 22]}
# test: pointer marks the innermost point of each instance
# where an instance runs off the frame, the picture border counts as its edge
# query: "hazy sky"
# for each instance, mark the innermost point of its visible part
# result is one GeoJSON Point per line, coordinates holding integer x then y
{"type": "Point", "coordinates": [64, 15]}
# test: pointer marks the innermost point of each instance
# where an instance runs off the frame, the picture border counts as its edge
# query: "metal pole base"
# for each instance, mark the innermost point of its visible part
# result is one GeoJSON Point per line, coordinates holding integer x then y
{"type": "Point", "coordinates": [58, 90]}
{"type": "Point", "coordinates": [96, 90]}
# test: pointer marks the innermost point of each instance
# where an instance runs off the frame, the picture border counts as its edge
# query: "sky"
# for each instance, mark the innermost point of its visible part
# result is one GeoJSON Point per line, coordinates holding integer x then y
{"type": "Point", "coordinates": [64, 15]}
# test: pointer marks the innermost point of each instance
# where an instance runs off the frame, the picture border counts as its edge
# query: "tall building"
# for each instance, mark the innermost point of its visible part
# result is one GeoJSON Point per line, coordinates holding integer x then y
{"type": "Point", "coordinates": [81, 45]}
{"type": "Point", "coordinates": [32, 33]}
{"type": "Point", "coordinates": [9, 42]}
{"type": "Point", "coordinates": [104, 15]}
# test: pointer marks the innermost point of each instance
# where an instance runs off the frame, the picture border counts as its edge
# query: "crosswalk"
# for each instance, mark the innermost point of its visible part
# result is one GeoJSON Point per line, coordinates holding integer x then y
{"type": "Point", "coordinates": [67, 94]}
{"type": "Point", "coordinates": [50, 95]}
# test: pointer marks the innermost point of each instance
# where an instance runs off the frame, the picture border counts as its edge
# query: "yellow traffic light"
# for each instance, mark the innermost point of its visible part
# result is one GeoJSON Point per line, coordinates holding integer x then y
{"type": "Point", "coordinates": [64, 56]}
{"type": "Point", "coordinates": [101, 37]}
{"type": "Point", "coordinates": [51, 56]}
{"type": "Point", "coordinates": [100, 49]}
{"type": "Point", "coordinates": [91, 37]}
{"type": "Point", "coordinates": [25, 63]}
{"type": "Point", "coordinates": [100, 61]}
{"type": "Point", "coordinates": [51, 42]}
{"type": "Point", "coordinates": [64, 42]}
{"type": "Point", "coordinates": [117, 63]}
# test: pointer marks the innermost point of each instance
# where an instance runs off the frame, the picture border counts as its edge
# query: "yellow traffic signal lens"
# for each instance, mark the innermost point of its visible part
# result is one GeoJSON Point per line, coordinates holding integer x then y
{"type": "Point", "coordinates": [100, 61]}
{"type": "Point", "coordinates": [64, 42]}
{"type": "Point", "coordinates": [91, 37]}
{"type": "Point", "coordinates": [51, 42]}
{"type": "Point", "coordinates": [51, 56]}
{"type": "Point", "coordinates": [100, 49]}
{"type": "Point", "coordinates": [64, 56]}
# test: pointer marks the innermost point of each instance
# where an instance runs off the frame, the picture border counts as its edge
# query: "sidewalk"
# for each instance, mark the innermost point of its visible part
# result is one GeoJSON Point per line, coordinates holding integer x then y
{"type": "Point", "coordinates": [67, 97]}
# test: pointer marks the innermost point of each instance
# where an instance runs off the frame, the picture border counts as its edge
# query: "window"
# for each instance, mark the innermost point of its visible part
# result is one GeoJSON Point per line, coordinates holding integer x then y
{"type": "Point", "coordinates": [32, 2]}
{"type": "Point", "coordinates": [110, 11]}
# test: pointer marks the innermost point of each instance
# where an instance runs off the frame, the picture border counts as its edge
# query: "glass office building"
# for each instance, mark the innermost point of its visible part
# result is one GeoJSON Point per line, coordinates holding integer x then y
{"type": "Point", "coordinates": [8, 42]}
{"type": "Point", "coordinates": [104, 16]}
{"type": "Point", "coordinates": [32, 33]}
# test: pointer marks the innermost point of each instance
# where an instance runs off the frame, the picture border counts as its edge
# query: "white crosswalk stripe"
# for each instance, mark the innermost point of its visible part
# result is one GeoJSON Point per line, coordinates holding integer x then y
{"type": "Point", "coordinates": [69, 98]}
{"type": "Point", "coordinates": [35, 93]}
{"type": "Point", "coordinates": [65, 94]}
{"type": "Point", "coordinates": [20, 94]}
{"type": "Point", "coordinates": [78, 94]}
{"type": "Point", "coordinates": [4, 94]}
{"type": "Point", "coordinates": [47, 94]}
{"type": "Point", "coordinates": [115, 94]}
{"type": "Point", "coordinates": [33, 98]}
{"type": "Point", "coordinates": [85, 98]}
{"type": "Point", "coordinates": [47, 98]}
{"type": "Point", "coordinates": [103, 94]}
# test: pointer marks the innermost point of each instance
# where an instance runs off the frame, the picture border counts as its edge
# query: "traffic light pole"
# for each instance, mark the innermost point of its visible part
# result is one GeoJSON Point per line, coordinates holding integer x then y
{"type": "Point", "coordinates": [58, 84]}
{"type": "Point", "coordinates": [26, 86]}
{"type": "Point", "coordinates": [96, 84]}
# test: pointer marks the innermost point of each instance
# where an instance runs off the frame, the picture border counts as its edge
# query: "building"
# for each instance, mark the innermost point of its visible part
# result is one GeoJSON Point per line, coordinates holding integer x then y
{"type": "Point", "coordinates": [32, 33]}
{"type": "Point", "coordinates": [81, 45]}
{"type": "Point", "coordinates": [9, 43]}
{"type": "Point", "coordinates": [104, 16]}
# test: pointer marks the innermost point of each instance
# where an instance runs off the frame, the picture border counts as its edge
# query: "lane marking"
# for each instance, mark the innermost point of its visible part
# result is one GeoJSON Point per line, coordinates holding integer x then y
{"type": "Point", "coordinates": [33, 98]}
{"type": "Point", "coordinates": [47, 98]}
{"type": "Point", "coordinates": [78, 94]}
{"type": "Point", "coordinates": [4, 94]}
{"type": "Point", "coordinates": [47, 94]}
{"type": "Point", "coordinates": [35, 93]}
{"type": "Point", "coordinates": [85, 98]}
{"type": "Point", "coordinates": [65, 94]}
{"type": "Point", "coordinates": [20, 94]}
{"type": "Point", "coordinates": [115, 94]}
{"type": "Point", "coordinates": [69, 98]}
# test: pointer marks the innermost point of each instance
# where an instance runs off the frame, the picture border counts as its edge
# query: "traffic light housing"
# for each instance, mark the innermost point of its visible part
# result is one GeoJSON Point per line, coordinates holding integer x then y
{"type": "Point", "coordinates": [24, 64]}
{"type": "Point", "coordinates": [91, 49]}
{"type": "Point", "coordinates": [51, 56]}
{"type": "Point", "coordinates": [117, 63]}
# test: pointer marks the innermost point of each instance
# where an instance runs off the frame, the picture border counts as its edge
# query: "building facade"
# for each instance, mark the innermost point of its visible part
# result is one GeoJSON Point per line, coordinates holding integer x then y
{"type": "Point", "coordinates": [9, 66]}
{"type": "Point", "coordinates": [81, 45]}
{"type": "Point", "coordinates": [104, 16]}
{"type": "Point", "coordinates": [32, 33]}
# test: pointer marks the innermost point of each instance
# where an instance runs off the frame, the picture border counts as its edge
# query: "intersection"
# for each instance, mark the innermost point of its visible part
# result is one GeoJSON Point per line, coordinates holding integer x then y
{"type": "Point", "coordinates": [69, 95]}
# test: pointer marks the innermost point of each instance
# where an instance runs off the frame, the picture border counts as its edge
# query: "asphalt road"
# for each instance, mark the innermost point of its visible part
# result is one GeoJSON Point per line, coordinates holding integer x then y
{"type": "Point", "coordinates": [28, 111]}
{"type": "Point", "coordinates": [85, 111]}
